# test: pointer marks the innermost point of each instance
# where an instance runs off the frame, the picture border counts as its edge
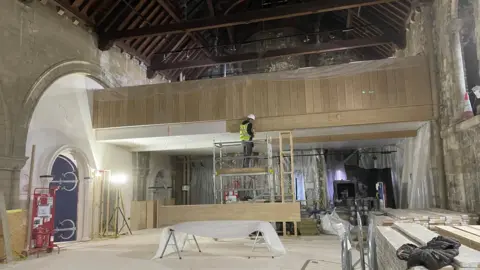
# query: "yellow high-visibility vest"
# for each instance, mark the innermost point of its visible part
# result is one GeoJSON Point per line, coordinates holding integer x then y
{"type": "Point", "coordinates": [244, 136]}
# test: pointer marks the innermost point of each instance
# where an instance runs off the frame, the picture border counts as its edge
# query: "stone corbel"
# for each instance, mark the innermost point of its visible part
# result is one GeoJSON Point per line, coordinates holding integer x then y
{"type": "Point", "coordinates": [12, 163]}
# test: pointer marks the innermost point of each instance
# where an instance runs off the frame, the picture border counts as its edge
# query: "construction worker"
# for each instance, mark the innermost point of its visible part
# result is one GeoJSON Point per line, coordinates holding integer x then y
{"type": "Point", "coordinates": [246, 136]}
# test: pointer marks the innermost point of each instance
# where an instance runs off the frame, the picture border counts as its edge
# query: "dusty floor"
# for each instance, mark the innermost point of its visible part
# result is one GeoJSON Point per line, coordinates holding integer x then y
{"type": "Point", "coordinates": [135, 252]}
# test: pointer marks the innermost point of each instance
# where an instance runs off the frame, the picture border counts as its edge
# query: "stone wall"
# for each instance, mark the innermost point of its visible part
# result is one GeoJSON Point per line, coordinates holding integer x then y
{"type": "Point", "coordinates": [37, 47]}
{"type": "Point", "coordinates": [459, 139]}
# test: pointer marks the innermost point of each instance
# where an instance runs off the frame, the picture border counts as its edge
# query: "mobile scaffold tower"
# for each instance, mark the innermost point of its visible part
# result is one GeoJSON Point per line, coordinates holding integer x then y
{"type": "Point", "coordinates": [234, 182]}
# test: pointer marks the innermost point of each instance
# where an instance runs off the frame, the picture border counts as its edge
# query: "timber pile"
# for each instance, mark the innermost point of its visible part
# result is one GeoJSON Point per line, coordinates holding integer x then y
{"type": "Point", "coordinates": [387, 241]}
{"type": "Point", "coordinates": [308, 226]}
{"type": "Point", "coordinates": [467, 235]}
{"type": "Point", "coordinates": [432, 217]}
{"type": "Point", "coordinates": [17, 223]}
{"type": "Point", "coordinates": [466, 259]}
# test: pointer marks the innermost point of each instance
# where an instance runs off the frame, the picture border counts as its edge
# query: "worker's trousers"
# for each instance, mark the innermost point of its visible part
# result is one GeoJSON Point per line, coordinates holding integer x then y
{"type": "Point", "coordinates": [247, 153]}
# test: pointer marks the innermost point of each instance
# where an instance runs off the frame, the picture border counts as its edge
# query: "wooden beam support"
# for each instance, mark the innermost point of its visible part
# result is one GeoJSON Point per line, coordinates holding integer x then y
{"type": "Point", "coordinates": [337, 45]}
{"type": "Point", "coordinates": [220, 21]}
{"type": "Point", "coordinates": [353, 137]}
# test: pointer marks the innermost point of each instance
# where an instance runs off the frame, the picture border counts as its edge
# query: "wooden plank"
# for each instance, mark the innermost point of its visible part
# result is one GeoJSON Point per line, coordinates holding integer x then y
{"type": "Point", "coordinates": [241, 170]}
{"type": "Point", "coordinates": [469, 229]}
{"type": "Point", "coordinates": [169, 215]}
{"type": "Point", "coordinates": [309, 96]}
{"type": "Point", "coordinates": [7, 244]}
{"type": "Point", "coordinates": [346, 118]}
{"type": "Point", "coordinates": [467, 239]}
{"type": "Point", "coordinates": [151, 214]}
{"type": "Point", "coordinates": [138, 215]}
{"type": "Point", "coordinates": [354, 136]}
{"type": "Point", "coordinates": [467, 258]}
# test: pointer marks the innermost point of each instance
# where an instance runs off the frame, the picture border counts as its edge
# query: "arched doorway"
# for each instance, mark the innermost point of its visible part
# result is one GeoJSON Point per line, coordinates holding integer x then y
{"type": "Point", "coordinates": [66, 177]}
{"type": "Point", "coordinates": [61, 130]}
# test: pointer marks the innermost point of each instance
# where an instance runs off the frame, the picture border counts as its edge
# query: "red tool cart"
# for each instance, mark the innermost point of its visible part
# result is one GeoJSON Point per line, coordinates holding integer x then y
{"type": "Point", "coordinates": [43, 216]}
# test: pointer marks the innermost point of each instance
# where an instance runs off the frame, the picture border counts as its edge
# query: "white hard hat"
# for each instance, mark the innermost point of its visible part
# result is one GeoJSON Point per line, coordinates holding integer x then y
{"type": "Point", "coordinates": [251, 116]}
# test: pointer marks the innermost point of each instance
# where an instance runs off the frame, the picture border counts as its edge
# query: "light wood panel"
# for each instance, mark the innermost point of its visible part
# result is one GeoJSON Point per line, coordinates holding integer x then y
{"type": "Point", "coordinates": [353, 136]}
{"type": "Point", "coordinates": [345, 118]}
{"type": "Point", "coordinates": [469, 237]}
{"type": "Point", "coordinates": [151, 214]}
{"type": "Point", "coordinates": [138, 215]}
{"type": "Point", "coordinates": [403, 86]}
{"type": "Point", "coordinates": [169, 215]}
{"type": "Point", "coordinates": [17, 224]}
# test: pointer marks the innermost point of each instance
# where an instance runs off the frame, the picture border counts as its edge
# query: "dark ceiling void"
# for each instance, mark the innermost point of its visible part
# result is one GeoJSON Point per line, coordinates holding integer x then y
{"type": "Point", "coordinates": [192, 37]}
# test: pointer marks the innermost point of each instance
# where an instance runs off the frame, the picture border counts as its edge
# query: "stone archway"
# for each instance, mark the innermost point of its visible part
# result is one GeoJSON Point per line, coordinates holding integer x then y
{"type": "Point", "coordinates": [55, 72]}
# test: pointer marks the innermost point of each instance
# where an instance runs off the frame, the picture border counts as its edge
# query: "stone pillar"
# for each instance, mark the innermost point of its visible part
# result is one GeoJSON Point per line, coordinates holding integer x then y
{"type": "Point", "coordinates": [141, 168]}
{"type": "Point", "coordinates": [10, 179]}
{"type": "Point", "coordinates": [458, 65]}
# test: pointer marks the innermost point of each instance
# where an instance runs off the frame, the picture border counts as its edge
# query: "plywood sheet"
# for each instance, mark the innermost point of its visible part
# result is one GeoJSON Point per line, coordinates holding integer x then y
{"type": "Point", "coordinates": [151, 214]}
{"type": "Point", "coordinates": [138, 215]}
{"type": "Point", "coordinates": [17, 223]}
{"type": "Point", "coordinates": [169, 215]}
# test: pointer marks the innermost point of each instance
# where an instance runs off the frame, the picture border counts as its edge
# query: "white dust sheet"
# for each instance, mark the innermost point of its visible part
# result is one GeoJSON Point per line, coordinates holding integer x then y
{"type": "Point", "coordinates": [222, 229]}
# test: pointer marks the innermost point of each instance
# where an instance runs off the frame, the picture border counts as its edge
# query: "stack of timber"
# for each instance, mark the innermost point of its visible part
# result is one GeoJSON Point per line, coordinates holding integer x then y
{"type": "Point", "coordinates": [308, 226]}
{"type": "Point", "coordinates": [467, 258]}
{"type": "Point", "coordinates": [467, 235]}
{"type": "Point", "coordinates": [387, 241]}
{"type": "Point", "coordinates": [17, 223]}
{"type": "Point", "coordinates": [432, 217]}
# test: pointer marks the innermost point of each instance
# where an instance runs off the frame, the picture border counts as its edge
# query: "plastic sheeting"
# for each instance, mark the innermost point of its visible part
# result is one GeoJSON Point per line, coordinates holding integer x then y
{"type": "Point", "coordinates": [201, 185]}
{"type": "Point", "coordinates": [307, 168]}
{"type": "Point", "coordinates": [416, 185]}
{"type": "Point", "coordinates": [393, 160]}
{"type": "Point", "coordinates": [221, 230]}
{"type": "Point", "coordinates": [335, 162]}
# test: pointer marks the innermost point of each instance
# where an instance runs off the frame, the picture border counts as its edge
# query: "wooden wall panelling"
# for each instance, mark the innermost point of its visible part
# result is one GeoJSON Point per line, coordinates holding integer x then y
{"type": "Point", "coordinates": [138, 215]}
{"type": "Point", "coordinates": [283, 92]}
{"type": "Point", "coordinates": [400, 86]}
{"type": "Point", "coordinates": [365, 90]}
{"type": "Point", "coordinates": [382, 88]}
{"type": "Point", "coordinates": [391, 88]}
{"type": "Point", "coordinates": [349, 94]}
{"type": "Point", "coordinates": [345, 118]}
{"type": "Point", "coordinates": [260, 98]}
{"type": "Point", "coordinates": [234, 98]}
{"type": "Point", "coordinates": [170, 215]}
{"type": "Point", "coordinates": [151, 208]}
{"type": "Point", "coordinates": [357, 92]}
{"type": "Point", "coordinates": [341, 94]}
{"type": "Point", "coordinates": [273, 99]}
{"type": "Point", "coordinates": [373, 76]}
{"type": "Point", "coordinates": [309, 96]}
{"type": "Point", "coordinates": [206, 97]}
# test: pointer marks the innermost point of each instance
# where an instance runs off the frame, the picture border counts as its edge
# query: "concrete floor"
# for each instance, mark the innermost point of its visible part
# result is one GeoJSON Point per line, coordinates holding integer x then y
{"type": "Point", "coordinates": [135, 252]}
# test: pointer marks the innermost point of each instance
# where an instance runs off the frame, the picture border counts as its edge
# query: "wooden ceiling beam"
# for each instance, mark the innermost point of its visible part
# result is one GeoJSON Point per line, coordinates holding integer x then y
{"type": "Point", "coordinates": [239, 18]}
{"type": "Point", "coordinates": [157, 63]}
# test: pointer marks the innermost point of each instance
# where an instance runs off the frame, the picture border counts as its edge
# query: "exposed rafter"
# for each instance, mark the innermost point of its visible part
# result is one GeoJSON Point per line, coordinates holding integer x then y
{"type": "Point", "coordinates": [337, 45]}
{"type": "Point", "coordinates": [240, 18]}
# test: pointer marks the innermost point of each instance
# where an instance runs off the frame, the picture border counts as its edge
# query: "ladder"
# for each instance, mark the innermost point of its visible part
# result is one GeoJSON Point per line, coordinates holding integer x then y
{"type": "Point", "coordinates": [287, 136]}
